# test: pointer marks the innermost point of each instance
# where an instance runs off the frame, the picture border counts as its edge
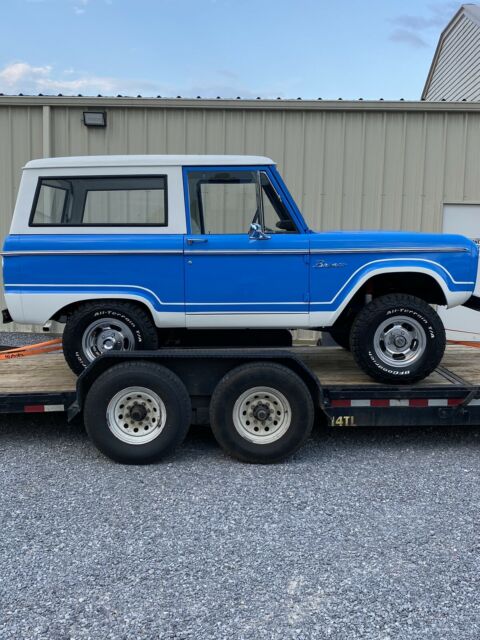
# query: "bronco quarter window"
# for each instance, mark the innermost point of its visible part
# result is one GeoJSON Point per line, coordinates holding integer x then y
{"type": "Point", "coordinates": [106, 201]}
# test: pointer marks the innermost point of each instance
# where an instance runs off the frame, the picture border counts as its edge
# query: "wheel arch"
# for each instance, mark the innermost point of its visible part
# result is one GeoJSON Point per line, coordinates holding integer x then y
{"type": "Point", "coordinates": [424, 283]}
{"type": "Point", "coordinates": [73, 304]}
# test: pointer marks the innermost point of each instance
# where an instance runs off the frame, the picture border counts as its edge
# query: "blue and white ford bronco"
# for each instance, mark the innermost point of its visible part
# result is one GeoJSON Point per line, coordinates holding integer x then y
{"type": "Point", "coordinates": [129, 251]}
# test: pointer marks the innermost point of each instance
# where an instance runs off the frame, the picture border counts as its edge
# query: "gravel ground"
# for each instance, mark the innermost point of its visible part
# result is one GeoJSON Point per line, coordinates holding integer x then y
{"type": "Point", "coordinates": [363, 534]}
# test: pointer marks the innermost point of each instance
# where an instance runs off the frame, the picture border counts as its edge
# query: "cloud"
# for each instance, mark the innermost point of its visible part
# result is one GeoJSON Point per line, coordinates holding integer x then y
{"type": "Point", "coordinates": [22, 77]}
{"type": "Point", "coordinates": [417, 30]}
{"type": "Point", "coordinates": [227, 73]}
{"type": "Point", "coordinates": [80, 6]}
{"type": "Point", "coordinates": [408, 37]}
{"type": "Point", "coordinates": [15, 73]}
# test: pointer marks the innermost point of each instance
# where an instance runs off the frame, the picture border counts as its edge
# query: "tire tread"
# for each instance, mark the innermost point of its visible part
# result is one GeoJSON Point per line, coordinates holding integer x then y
{"type": "Point", "coordinates": [217, 403]}
{"type": "Point", "coordinates": [132, 309]}
{"type": "Point", "coordinates": [365, 317]}
{"type": "Point", "coordinates": [115, 451]}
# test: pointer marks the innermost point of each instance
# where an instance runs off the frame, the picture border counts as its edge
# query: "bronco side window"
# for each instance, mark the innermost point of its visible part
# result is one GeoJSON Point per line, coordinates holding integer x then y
{"type": "Point", "coordinates": [222, 201]}
{"type": "Point", "coordinates": [227, 202]}
{"type": "Point", "coordinates": [105, 201]}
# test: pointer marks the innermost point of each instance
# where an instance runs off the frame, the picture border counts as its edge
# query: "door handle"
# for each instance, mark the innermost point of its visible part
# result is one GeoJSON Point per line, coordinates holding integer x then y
{"type": "Point", "coordinates": [196, 240]}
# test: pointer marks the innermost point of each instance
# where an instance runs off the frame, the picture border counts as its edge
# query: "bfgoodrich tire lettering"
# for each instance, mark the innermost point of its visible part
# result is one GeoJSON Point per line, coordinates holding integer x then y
{"type": "Point", "coordinates": [147, 380]}
{"type": "Point", "coordinates": [133, 320]}
{"type": "Point", "coordinates": [415, 321]}
{"type": "Point", "coordinates": [271, 383]}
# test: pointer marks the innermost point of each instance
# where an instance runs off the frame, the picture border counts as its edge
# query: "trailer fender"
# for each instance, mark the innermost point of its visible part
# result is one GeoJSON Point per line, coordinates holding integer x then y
{"type": "Point", "coordinates": [198, 367]}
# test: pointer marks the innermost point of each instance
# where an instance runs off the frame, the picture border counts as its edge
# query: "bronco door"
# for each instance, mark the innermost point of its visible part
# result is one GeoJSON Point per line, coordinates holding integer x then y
{"type": "Point", "coordinates": [246, 254]}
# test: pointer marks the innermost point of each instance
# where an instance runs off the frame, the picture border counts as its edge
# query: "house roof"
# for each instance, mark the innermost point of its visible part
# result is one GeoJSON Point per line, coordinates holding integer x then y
{"type": "Point", "coordinates": [470, 11]}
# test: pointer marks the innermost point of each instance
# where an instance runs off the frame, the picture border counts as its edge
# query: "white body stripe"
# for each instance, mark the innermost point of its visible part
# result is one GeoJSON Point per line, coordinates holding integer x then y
{"type": "Point", "coordinates": [405, 269]}
{"type": "Point", "coordinates": [30, 308]}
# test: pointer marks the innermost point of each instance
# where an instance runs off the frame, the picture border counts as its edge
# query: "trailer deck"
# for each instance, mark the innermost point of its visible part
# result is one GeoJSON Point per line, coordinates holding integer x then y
{"type": "Point", "coordinates": [333, 366]}
{"type": "Point", "coordinates": [45, 383]}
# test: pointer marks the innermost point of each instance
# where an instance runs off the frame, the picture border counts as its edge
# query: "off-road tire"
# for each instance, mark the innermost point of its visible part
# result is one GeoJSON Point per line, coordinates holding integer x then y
{"type": "Point", "coordinates": [254, 375]}
{"type": "Point", "coordinates": [152, 376]}
{"type": "Point", "coordinates": [133, 315]}
{"type": "Point", "coordinates": [369, 319]}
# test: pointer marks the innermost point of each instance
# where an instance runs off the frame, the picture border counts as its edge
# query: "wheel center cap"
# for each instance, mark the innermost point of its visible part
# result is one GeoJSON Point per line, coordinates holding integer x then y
{"type": "Point", "coordinates": [109, 341]}
{"type": "Point", "coordinates": [400, 342]}
{"type": "Point", "coordinates": [261, 412]}
{"type": "Point", "coordinates": [138, 412]}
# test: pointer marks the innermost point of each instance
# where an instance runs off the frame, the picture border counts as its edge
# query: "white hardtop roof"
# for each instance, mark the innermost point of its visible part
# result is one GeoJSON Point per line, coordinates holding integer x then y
{"type": "Point", "coordinates": [144, 161]}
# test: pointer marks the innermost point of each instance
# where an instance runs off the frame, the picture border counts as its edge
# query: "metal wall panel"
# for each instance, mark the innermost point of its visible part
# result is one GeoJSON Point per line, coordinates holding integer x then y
{"type": "Point", "coordinates": [21, 139]}
{"type": "Point", "coordinates": [455, 72]}
{"type": "Point", "coordinates": [348, 165]}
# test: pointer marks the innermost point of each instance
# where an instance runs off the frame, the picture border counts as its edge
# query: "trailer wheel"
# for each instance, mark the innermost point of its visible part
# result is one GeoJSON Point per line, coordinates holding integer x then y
{"type": "Point", "coordinates": [261, 412]}
{"type": "Point", "coordinates": [95, 328]}
{"type": "Point", "coordinates": [398, 338]}
{"type": "Point", "coordinates": [137, 412]}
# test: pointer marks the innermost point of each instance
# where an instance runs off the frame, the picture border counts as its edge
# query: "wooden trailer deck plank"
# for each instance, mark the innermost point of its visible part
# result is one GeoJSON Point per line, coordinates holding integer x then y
{"type": "Point", "coordinates": [42, 373]}
{"type": "Point", "coordinates": [333, 366]}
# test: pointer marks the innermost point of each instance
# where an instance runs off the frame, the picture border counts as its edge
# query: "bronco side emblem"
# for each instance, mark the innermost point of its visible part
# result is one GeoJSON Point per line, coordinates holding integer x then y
{"type": "Point", "coordinates": [321, 264]}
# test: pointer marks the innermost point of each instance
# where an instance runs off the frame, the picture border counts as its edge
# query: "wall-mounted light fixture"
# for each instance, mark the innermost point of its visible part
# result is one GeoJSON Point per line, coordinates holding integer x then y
{"type": "Point", "coordinates": [95, 118]}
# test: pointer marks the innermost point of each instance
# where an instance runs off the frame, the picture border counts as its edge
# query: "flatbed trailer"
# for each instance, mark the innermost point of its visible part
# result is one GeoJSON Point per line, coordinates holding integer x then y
{"type": "Point", "coordinates": [341, 394]}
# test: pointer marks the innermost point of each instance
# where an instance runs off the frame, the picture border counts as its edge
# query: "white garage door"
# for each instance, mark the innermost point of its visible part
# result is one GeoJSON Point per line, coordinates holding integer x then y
{"type": "Point", "coordinates": [462, 323]}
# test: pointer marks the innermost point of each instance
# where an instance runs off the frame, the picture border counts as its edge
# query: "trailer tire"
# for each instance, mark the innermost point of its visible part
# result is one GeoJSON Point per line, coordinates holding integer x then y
{"type": "Point", "coordinates": [129, 322]}
{"type": "Point", "coordinates": [137, 412]}
{"type": "Point", "coordinates": [272, 392]}
{"type": "Point", "coordinates": [398, 338]}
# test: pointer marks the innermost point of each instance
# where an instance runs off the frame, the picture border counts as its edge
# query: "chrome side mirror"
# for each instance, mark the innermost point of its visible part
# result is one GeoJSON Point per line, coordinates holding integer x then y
{"type": "Point", "coordinates": [256, 232]}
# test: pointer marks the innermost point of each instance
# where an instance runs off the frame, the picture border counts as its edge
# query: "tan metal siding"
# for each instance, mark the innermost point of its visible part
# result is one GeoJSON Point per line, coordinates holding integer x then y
{"type": "Point", "coordinates": [349, 166]}
{"type": "Point", "coordinates": [455, 76]}
{"type": "Point", "coordinates": [21, 137]}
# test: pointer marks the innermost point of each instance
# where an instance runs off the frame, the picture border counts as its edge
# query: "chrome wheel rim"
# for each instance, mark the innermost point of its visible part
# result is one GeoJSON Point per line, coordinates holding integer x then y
{"type": "Point", "coordinates": [399, 341]}
{"type": "Point", "coordinates": [262, 415]}
{"type": "Point", "coordinates": [106, 335]}
{"type": "Point", "coordinates": [136, 415]}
